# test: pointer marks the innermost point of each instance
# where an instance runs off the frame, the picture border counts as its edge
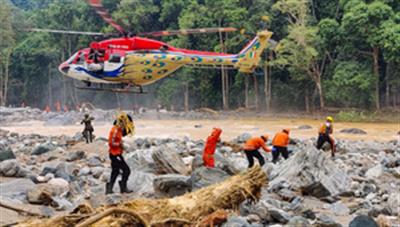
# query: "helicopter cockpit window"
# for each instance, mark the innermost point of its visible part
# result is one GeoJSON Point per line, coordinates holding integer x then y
{"type": "Point", "coordinates": [81, 59]}
{"type": "Point", "coordinates": [115, 58]}
{"type": "Point", "coordinates": [72, 58]}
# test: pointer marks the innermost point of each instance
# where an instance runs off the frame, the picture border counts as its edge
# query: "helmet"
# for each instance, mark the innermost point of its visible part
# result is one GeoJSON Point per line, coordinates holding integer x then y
{"type": "Point", "coordinates": [329, 118]}
{"type": "Point", "coordinates": [265, 137]}
{"type": "Point", "coordinates": [86, 115]}
{"type": "Point", "coordinates": [287, 130]}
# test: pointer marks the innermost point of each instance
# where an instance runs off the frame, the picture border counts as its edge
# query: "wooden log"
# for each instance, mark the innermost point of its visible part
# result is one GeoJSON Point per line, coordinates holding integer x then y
{"type": "Point", "coordinates": [187, 209]}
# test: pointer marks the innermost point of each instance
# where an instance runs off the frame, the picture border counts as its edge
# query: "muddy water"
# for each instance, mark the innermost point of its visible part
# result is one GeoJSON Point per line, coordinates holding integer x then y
{"type": "Point", "coordinates": [199, 129]}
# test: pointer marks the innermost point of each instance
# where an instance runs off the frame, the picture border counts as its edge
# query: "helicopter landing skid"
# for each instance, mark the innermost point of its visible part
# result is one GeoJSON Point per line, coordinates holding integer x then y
{"type": "Point", "coordinates": [126, 89]}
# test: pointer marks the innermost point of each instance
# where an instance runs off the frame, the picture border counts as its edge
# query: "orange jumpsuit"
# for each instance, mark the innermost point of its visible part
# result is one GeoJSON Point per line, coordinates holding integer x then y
{"type": "Point", "coordinates": [255, 143]}
{"type": "Point", "coordinates": [209, 148]}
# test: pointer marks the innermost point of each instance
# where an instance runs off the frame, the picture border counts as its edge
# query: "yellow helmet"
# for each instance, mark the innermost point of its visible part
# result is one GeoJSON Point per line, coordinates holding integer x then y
{"type": "Point", "coordinates": [329, 118]}
{"type": "Point", "coordinates": [126, 122]}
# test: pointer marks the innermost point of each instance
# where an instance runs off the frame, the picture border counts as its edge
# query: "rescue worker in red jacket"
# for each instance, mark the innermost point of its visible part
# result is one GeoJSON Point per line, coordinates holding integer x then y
{"type": "Point", "coordinates": [209, 148]}
{"type": "Point", "coordinates": [251, 149]}
{"type": "Point", "coordinates": [280, 143]}
{"type": "Point", "coordinates": [324, 135]}
{"type": "Point", "coordinates": [122, 127]}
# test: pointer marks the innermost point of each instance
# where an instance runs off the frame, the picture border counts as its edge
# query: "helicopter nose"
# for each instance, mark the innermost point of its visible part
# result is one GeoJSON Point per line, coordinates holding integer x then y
{"type": "Point", "coordinates": [63, 68]}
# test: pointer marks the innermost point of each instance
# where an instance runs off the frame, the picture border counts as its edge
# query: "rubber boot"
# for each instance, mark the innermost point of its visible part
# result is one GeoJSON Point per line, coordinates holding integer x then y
{"type": "Point", "coordinates": [123, 187]}
{"type": "Point", "coordinates": [109, 188]}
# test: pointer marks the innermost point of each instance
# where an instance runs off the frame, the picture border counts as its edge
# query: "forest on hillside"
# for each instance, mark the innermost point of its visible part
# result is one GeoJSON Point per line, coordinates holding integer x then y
{"type": "Point", "coordinates": [341, 54]}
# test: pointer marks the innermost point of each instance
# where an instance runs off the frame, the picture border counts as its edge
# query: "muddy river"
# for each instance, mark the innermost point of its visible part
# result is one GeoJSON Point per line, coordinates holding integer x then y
{"type": "Point", "coordinates": [199, 129]}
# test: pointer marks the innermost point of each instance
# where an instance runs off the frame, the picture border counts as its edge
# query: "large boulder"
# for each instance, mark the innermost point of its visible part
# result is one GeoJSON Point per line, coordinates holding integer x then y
{"type": "Point", "coordinates": [141, 183]}
{"type": "Point", "coordinates": [312, 172]}
{"type": "Point", "coordinates": [6, 153]}
{"type": "Point", "coordinates": [203, 176]}
{"type": "Point", "coordinates": [171, 185]}
{"type": "Point", "coordinates": [167, 160]}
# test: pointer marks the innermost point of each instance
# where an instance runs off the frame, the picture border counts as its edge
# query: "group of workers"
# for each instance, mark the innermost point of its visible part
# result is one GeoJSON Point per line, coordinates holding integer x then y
{"type": "Point", "coordinates": [280, 144]}
{"type": "Point", "coordinates": [123, 126]}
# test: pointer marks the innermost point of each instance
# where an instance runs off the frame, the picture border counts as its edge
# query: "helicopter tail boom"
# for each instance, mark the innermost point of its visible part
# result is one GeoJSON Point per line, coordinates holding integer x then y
{"type": "Point", "coordinates": [250, 56]}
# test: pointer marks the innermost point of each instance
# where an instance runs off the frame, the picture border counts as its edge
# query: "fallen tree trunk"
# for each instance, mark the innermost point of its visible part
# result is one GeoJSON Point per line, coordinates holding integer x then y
{"type": "Point", "coordinates": [188, 209]}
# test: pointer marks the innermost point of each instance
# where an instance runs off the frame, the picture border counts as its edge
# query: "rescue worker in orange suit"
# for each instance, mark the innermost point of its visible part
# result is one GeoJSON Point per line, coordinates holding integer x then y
{"type": "Point", "coordinates": [280, 143]}
{"type": "Point", "coordinates": [122, 127]}
{"type": "Point", "coordinates": [251, 149]}
{"type": "Point", "coordinates": [324, 135]}
{"type": "Point", "coordinates": [209, 148]}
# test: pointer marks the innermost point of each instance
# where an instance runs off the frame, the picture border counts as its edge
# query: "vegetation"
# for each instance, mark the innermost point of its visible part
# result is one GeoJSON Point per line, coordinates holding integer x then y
{"type": "Point", "coordinates": [331, 53]}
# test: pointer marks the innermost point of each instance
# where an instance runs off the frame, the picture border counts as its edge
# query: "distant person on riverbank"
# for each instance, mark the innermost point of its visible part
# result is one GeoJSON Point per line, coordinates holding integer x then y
{"type": "Point", "coordinates": [47, 109]}
{"type": "Point", "coordinates": [123, 126]}
{"type": "Point", "coordinates": [280, 143]}
{"type": "Point", "coordinates": [88, 130]}
{"type": "Point", "coordinates": [324, 135]}
{"type": "Point", "coordinates": [210, 146]}
{"type": "Point", "coordinates": [251, 149]}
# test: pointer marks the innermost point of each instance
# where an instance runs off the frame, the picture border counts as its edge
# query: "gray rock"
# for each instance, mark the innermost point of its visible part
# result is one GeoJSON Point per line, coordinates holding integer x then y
{"type": "Point", "coordinates": [236, 221]}
{"type": "Point", "coordinates": [97, 171]}
{"type": "Point", "coordinates": [353, 131]}
{"type": "Point", "coordinates": [225, 164]}
{"type": "Point", "coordinates": [279, 215]}
{"type": "Point", "coordinates": [311, 171]}
{"type": "Point", "coordinates": [339, 209]}
{"type": "Point", "coordinates": [6, 153]}
{"type": "Point", "coordinates": [298, 221]}
{"type": "Point", "coordinates": [309, 214]}
{"type": "Point", "coordinates": [43, 148]}
{"type": "Point", "coordinates": [374, 172]}
{"type": "Point", "coordinates": [84, 171]}
{"type": "Point", "coordinates": [171, 185]}
{"type": "Point", "coordinates": [62, 171]}
{"type": "Point", "coordinates": [167, 160]}
{"type": "Point", "coordinates": [394, 203]}
{"type": "Point", "coordinates": [286, 194]}
{"type": "Point", "coordinates": [363, 221]}
{"type": "Point", "coordinates": [141, 183]}
{"type": "Point", "coordinates": [203, 176]}
{"type": "Point", "coordinates": [77, 155]}
{"type": "Point", "coordinates": [12, 168]}
{"type": "Point", "coordinates": [197, 162]}
{"type": "Point", "coordinates": [325, 221]}
{"type": "Point", "coordinates": [94, 161]}
{"type": "Point", "coordinates": [16, 188]}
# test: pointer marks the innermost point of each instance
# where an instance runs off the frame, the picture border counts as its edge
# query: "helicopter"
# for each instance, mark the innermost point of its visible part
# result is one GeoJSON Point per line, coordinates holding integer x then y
{"type": "Point", "coordinates": [133, 61]}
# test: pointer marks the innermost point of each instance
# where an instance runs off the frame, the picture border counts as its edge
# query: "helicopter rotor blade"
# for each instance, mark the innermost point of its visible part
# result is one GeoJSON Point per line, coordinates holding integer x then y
{"type": "Point", "coordinates": [99, 8]}
{"type": "Point", "coordinates": [187, 31]}
{"type": "Point", "coordinates": [65, 32]}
